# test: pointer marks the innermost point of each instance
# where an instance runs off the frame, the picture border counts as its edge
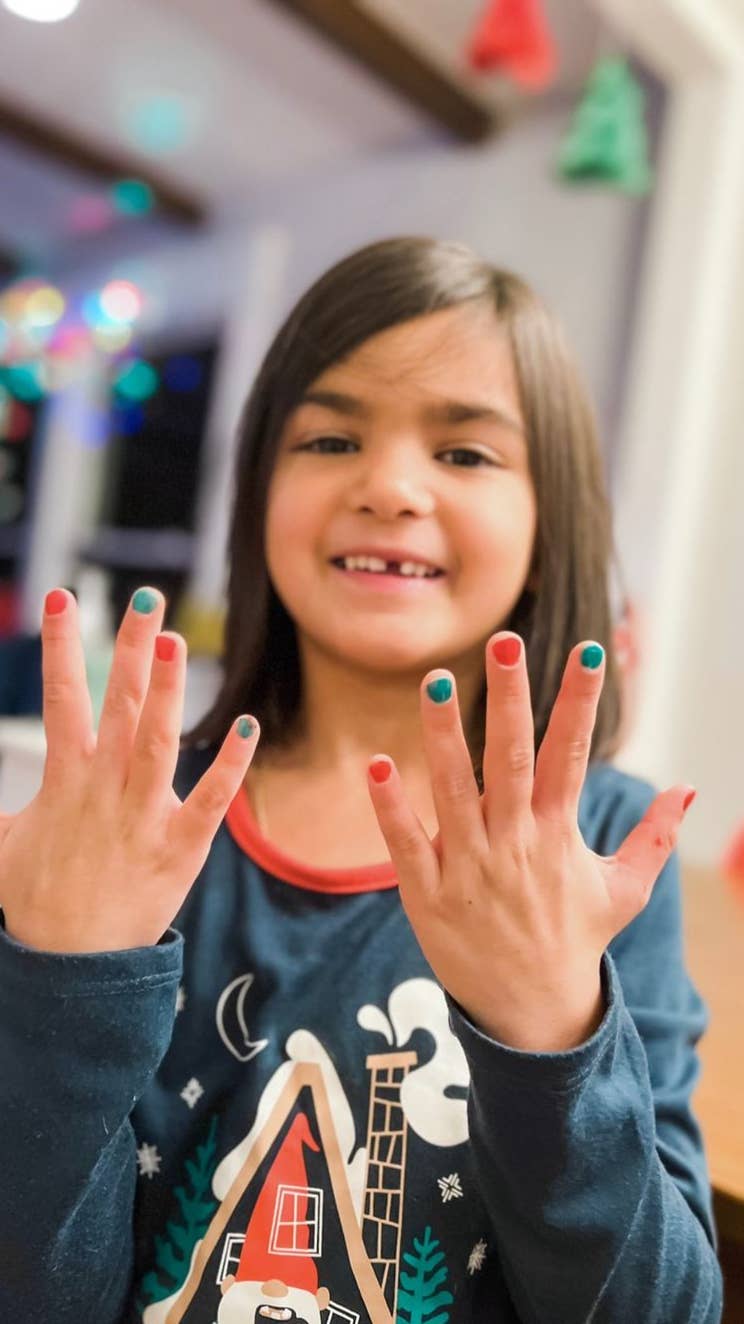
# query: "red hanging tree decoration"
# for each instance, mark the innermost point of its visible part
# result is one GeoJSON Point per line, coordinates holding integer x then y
{"type": "Point", "coordinates": [513, 36]}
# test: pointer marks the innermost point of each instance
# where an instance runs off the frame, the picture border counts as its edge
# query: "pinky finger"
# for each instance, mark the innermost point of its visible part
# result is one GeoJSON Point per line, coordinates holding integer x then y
{"type": "Point", "coordinates": [647, 848]}
{"type": "Point", "coordinates": [205, 807]}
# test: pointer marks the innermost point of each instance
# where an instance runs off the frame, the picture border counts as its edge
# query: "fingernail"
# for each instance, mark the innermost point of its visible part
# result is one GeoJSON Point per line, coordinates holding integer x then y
{"type": "Point", "coordinates": [507, 651]}
{"type": "Point", "coordinates": [380, 770]}
{"type": "Point", "coordinates": [440, 690]}
{"type": "Point", "coordinates": [591, 656]}
{"type": "Point", "coordinates": [144, 601]}
{"type": "Point", "coordinates": [55, 602]}
{"type": "Point", "coordinates": [165, 648]}
{"type": "Point", "coordinates": [689, 799]}
{"type": "Point", "coordinates": [245, 728]}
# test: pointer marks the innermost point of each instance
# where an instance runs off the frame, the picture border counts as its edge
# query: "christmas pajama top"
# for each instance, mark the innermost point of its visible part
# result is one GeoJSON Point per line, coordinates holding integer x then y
{"type": "Point", "coordinates": [277, 1113]}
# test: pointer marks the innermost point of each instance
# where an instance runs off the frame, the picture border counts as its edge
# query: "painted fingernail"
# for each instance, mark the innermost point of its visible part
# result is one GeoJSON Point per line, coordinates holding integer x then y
{"type": "Point", "coordinates": [245, 728]}
{"type": "Point", "coordinates": [165, 648]}
{"type": "Point", "coordinates": [380, 770]}
{"type": "Point", "coordinates": [144, 601]}
{"type": "Point", "coordinates": [591, 656]}
{"type": "Point", "coordinates": [689, 798]}
{"type": "Point", "coordinates": [55, 602]}
{"type": "Point", "coordinates": [440, 690]}
{"type": "Point", "coordinates": [507, 651]}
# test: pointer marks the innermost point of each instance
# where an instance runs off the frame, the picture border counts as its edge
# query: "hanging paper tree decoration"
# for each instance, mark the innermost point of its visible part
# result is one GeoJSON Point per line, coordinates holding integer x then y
{"type": "Point", "coordinates": [513, 36]}
{"type": "Point", "coordinates": [607, 140]}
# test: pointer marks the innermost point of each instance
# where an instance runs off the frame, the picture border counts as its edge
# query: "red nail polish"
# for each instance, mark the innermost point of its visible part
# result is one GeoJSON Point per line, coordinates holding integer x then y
{"type": "Point", "coordinates": [380, 771]}
{"type": "Point", "coordinates": [507, 651]}
{"type": "Point", "coordinates": [164, 648]}
{"type": "Point", "coordinates": [55, 602]}
{"type": "Point", "coordinates": [688, 799]}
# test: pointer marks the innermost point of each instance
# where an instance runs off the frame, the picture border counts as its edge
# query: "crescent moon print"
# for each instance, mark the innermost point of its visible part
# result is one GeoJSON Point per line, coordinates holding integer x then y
{"type": "Point", "coordinates": [247, 1048]}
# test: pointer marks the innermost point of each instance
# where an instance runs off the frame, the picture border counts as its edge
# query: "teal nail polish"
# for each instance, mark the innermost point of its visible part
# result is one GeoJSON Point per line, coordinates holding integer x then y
{"type": "Point", "coordinates": [440, 690]}
{"type": "Point", "coordinates": [144, 601]}
{"type": "Point", "coordinates": [245, 728]}
{"type": "Point", "coordinates": [591, 656]}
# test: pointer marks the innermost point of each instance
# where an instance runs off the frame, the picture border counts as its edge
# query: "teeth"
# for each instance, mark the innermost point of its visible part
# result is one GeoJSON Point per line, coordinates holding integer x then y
{"type": "Point", "coordinates": [378, 566]}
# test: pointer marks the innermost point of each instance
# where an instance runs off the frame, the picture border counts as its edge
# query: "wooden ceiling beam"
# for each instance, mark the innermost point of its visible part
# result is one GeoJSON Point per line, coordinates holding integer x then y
{"type": "Point", "coordinates": [385, 53]}
{"type": "Point", "coordinates": [71, 150]}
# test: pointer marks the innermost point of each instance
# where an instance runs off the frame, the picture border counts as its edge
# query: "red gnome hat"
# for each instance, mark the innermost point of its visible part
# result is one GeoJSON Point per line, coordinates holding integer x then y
{"type": "Point", "coordinates": [513, 35]}
{"type": "Point", "coordinates": [258, 1262]}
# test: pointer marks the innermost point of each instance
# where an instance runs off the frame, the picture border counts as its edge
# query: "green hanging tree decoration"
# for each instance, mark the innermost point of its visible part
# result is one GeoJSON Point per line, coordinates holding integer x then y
{"type": "Point", "coordinates": [607, 140]}
{"type": "Point", "coordinates": [173, 1256]}
{"type": "Point", "coordinates": [418, 1296]}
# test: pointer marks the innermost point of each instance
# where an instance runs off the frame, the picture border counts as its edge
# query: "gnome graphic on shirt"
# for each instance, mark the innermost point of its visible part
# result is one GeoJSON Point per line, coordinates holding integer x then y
{"type": "Point", "coordinates": [276, 1276]}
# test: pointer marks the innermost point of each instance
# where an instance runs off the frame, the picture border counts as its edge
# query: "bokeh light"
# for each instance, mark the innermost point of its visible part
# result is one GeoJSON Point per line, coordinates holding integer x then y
{"type": "Point", "coordinates": [90, 214]}
{"type": "Point", "coordinates": [129, 418]}
{"type": "Point", "coordinates": [112, 339]}
{"type": "Point", "coordinates": [42, 11]}
{"type": "Point", "coordinates": [121, 301]}
{"type": "Point", "coordinates": [132, 197]}
{"type": "Point", "coordinates": [26, 381]}
{"type": "Point", "coordinates": [136, 380]}
{"type": "Point", "coordinates": [160, 124]}
{"type": "Point", "coordinates": [183, 373]}
{"type": "Point", "coordinates": [44, 307]}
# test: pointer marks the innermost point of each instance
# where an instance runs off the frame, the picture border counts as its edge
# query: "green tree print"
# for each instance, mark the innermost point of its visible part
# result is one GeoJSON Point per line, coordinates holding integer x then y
{"type": "Point", "coordinates": [419, 1296]}
{"type": "Point", "coordinates": [173, 1254]}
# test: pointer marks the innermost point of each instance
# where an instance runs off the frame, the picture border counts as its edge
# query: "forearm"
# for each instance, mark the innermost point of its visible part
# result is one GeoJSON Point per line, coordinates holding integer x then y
{"type": "Point", "coordinates": [589, 1223]}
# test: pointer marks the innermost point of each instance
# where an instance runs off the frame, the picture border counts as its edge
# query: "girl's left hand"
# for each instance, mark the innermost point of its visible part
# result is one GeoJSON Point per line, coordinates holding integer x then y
{"type": "Point", "coordinates": [512, 910]}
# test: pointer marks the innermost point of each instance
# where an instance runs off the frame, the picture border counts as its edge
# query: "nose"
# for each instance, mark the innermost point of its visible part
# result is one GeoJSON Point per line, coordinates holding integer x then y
{"type": "Point", "coordinates": [393, 484]}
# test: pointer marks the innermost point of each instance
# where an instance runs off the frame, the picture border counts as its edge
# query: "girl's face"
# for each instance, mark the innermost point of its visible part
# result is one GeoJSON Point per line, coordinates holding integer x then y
{"type": "Point", "coordinates": [413, 449]}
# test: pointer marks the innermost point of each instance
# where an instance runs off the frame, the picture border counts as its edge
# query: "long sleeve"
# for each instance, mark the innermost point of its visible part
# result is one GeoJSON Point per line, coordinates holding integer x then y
{"type": "Point", "coordinates": [590, 1162]}
{"type": "Point", "coordinates": [80, 1038]}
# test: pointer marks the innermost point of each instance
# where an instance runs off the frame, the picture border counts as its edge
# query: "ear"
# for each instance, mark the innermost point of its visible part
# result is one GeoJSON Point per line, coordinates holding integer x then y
{"type": "Point", "coordinates": [227, 1283]}
{"type": "Point", "coordinates": [323, 1298]}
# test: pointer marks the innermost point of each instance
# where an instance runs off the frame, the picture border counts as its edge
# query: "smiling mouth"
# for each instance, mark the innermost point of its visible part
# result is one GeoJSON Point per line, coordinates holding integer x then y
{"type": "Point", "coordinates": [392, 569]}
{"type": "Point", "coordinates": [275, 1312]}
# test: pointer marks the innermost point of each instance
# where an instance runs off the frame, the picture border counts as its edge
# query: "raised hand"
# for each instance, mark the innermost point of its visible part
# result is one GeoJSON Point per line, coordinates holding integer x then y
{"type": "Point", "coordinates": [105, 854]}
{"type": "Point", "coordinates": [510, 907]}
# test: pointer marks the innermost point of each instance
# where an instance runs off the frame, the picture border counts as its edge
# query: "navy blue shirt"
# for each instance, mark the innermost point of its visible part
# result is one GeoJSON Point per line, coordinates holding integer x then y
{"type": "Point", "coordinates": [277, 1113]}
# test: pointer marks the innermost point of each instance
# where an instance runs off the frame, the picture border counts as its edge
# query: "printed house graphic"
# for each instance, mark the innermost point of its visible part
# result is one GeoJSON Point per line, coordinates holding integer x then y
{"type": "Point", "coordinates": [299, 1137]}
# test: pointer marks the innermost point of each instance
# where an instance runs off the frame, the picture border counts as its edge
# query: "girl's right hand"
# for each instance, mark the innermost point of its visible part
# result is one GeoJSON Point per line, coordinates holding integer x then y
{"type": "Point", "coordinates": [105, 854]}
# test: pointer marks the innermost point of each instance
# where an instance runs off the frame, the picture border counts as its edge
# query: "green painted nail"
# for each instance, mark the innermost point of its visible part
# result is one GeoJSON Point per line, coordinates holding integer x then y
{"type": "Point", "coordinates": [245, 728]}
{"type": "Point", "coordinates": [591, 656]}
{"type": "Point", "coordinates": [440, 690]}
{"type": "Point", "coordinates": [144, 601]}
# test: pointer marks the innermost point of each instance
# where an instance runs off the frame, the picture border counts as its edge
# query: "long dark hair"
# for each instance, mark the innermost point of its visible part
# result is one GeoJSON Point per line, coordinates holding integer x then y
{"type": "Point", "coordinates": [380, 286]}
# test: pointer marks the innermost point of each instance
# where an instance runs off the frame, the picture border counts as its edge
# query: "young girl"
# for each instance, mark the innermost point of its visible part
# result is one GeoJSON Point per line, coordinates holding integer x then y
{"type": "Point", "coordinates": [418, 1043]}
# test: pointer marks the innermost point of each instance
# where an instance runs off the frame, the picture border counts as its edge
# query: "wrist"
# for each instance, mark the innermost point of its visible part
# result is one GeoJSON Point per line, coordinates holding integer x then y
{"type": "Point", "coordinates": [553, 1027]}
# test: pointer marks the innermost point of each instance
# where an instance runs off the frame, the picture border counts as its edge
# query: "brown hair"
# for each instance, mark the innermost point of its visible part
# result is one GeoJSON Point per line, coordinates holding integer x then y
{"type": "Point", "coordinates": [380, 286]}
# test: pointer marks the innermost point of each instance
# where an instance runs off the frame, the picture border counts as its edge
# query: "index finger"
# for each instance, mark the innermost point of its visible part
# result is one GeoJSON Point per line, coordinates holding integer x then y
{"type": "Point", "coordinates": [67, 712]}
{"type": "Point", "coordinates": [509, 754]}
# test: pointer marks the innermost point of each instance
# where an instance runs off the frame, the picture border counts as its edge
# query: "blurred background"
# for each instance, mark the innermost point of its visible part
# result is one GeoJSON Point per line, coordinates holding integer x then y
{"type": "Point", "coordinates": [174, 175]}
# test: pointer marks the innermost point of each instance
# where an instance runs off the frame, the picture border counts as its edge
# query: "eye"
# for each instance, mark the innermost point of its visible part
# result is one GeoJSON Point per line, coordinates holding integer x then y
{"type": "Point", "coordinates": [474, 457]}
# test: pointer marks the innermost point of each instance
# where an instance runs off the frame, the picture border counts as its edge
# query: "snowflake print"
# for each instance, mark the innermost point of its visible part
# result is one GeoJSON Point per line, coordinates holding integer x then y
{"type": "Point", "coordinates": [192, 1092]}
{"type": "Point", "coordinates": [450, 1187]}
{"type": "Point", "coordinates": [148, 1160]}
{"type": "Point", "coordinates": [477, 1256]}
{"type": "Point", "coordinates": [180, 998]}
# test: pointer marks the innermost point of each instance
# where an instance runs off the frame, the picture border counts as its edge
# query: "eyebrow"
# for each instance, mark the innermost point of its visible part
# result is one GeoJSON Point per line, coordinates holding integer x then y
{"type": "Point", "coordinates": [449, 411]}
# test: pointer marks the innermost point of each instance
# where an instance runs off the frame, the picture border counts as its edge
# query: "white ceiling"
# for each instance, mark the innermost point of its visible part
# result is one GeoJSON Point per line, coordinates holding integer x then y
{"type": "Point", "coordinates": [264, 95]}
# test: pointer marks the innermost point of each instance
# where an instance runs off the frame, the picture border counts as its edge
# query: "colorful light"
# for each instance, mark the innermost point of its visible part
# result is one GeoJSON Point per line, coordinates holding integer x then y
{"type": "Point", "coordinates": [111, 339]}
{"type": "Point", "coordinates": [90, 215]}
{"type": "Point", "coordinates": [183, 373]}
{"type": "Point", "coordinates": [25, 380]}
{"type": "Point", "coordinates": [42, 11]}
{"type": "Point", "coordinates": [137, 380]}
{"type": "Point", "coordinates": [121, 301]}
{"type": "Point", "coordinates": [129, 418]}
{"type": "Point", "coordinates": [159, 124]}
{"type": "Point", "coordinates": [44, 307]}
{"type": "Point", "coordinates": [132, 197]}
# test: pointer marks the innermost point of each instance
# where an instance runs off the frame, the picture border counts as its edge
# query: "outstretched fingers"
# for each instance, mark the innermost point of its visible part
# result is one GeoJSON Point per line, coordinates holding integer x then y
{"type": "Point", "coordinates": [203, 810]}
{"type": "Point", "coordinates": [636, 865]}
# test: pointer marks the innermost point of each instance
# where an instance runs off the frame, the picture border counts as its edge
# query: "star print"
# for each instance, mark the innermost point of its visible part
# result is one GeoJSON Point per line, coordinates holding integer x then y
{"type": "Point", "coordinates": [192, 1092]}
{"type": "Point", "coordinates": [450, 1187]}
{"type": "Point", "coordinates": [148, 1160]}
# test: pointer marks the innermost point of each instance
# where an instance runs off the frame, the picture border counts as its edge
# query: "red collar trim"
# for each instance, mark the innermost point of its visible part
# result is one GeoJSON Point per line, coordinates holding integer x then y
{"type": "Point", "coordinates": [244, 828]}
